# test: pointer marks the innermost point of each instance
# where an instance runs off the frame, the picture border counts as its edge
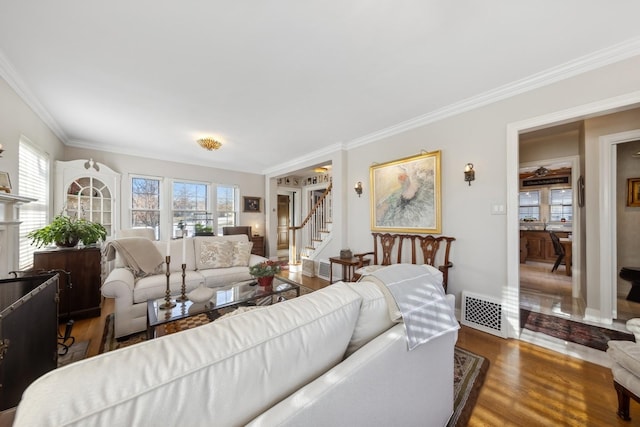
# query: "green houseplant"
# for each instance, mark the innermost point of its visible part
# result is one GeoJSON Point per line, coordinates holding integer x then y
{"type": "Point", "coordinates": [65, 231]}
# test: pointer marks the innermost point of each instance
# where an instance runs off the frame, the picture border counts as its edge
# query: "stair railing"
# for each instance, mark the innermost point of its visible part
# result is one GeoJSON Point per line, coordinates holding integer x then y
{"type": "Point", "coordinates": [312, 227]}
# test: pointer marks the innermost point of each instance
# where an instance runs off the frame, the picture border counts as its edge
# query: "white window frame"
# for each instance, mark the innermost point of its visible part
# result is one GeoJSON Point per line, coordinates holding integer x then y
{"type": "Point", "coordinates": [162, 209]}
{"type": "Point", "coordinates": [235, 211]}
{"type": "Point", "coordinates": [208, 209]}
{"type": "Point", "coordinates": [530, 205]}
{"type": "Point", "coordinates": [36, 214]}
{"type": "Point", "coordinates": [563, 205]}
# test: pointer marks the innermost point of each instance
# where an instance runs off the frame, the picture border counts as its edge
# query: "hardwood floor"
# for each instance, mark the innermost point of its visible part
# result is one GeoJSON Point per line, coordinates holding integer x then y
{"type": "Point", "coordinates": [526, 385]}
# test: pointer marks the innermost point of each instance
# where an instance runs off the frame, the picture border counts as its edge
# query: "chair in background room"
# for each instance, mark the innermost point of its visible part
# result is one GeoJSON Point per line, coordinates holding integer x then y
{"type": "Point", "coordinates": [243, 229]}
{"type": "Point", "coordinates": [559, 250]}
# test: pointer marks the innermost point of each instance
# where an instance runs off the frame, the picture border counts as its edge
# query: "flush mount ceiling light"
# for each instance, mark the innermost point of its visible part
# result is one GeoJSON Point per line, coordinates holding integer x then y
{"type": "Point", "coordinates": [209, 144]}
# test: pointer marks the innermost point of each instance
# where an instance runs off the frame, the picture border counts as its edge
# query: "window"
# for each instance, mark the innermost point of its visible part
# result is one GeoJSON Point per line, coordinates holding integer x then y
{"type": "Point", "coordinates": [33, 181]}
{"type": "Point", "coordinates": [190, 206]}
{"type": "Point", "coordinates": [561, 204]}
{"type": "Point", "coordinates": [145, 203]}
{"type": "Point", "coordinates": [530, 205]}
{"type": "Point", "coordinates": [226, 206]}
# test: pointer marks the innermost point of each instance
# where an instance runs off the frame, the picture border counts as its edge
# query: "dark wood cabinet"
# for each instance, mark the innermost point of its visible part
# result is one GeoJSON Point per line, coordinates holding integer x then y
{"type": "Point", "coordinates": [258, 245]}
{"type": "Point", "coordinates": [83, 299]}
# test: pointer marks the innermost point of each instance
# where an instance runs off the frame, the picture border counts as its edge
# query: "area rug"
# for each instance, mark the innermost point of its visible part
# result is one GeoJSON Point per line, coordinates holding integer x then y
{"type": "Point", "coordinates": [77, 351]}
{"type": "Point", "coordinates": [469, 372]}
{"type": "Point", "coordinates": [109, 342]}
{"type": "Point", "coordinates": [569, 330]}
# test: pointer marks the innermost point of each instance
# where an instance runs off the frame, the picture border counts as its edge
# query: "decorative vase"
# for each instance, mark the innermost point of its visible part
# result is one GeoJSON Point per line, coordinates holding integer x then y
{"type": "Point", "coordinates": [265, 281]}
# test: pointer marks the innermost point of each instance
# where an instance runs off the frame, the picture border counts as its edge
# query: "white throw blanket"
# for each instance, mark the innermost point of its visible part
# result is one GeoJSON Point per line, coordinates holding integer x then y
{"type": "Point", "coordinates": [417, 292]}
{"type": "Point", "coordinates": [138, 253]}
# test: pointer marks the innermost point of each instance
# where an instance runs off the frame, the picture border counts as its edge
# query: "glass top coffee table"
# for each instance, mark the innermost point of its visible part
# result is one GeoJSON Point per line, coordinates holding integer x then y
{"type": "Point", "coordinates": [230, 296]}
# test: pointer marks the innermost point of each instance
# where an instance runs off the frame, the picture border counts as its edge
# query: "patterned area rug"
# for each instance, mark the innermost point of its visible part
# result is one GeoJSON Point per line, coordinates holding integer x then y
{"type": "Point", "coordinates": [109, 343]}
{"type": "Point", "coordinates": [568, 330]}
{"type": "Point", "coordinates": [469, 372]}
{"type": "Point", "coordinates": [77, 351]}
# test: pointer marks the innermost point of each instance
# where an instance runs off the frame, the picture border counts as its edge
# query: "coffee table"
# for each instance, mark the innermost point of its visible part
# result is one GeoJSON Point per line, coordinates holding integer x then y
{"type": "Point", "coordinates": [230, 296]}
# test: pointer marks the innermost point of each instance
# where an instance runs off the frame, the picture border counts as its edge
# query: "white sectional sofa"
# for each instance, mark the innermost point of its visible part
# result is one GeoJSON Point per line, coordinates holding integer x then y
{"type": "Point", "coordinates": [131, 293]}
{"type": "Point", "coordinates": [329, 358]}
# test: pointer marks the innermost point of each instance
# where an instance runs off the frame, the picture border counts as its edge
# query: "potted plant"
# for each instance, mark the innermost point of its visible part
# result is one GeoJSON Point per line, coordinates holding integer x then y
{"type": "Point", "coordinates": [264, 272]}
{"type": "Point", "coordinates": [65, 231]}
{"type": "Point", "coordinates": [203, 230]}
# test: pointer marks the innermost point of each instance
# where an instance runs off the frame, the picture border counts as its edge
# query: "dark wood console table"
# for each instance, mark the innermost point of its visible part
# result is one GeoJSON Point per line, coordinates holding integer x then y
{"type": "Point", "coordinates": [83, 299]}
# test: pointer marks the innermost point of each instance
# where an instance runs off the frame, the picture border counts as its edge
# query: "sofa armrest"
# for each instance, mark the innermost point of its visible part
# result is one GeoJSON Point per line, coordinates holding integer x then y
{"type": "Point", "coordinates": [255, 259]}
{"type": "Point", "coordinates": [118, 284]}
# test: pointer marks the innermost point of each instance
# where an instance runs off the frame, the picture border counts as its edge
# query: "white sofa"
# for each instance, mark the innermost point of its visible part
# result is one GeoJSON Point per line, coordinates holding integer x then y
{"type": "Point", "coordinates": [329, 358]}
{"type": "Point", "coordinates": [131, 293]}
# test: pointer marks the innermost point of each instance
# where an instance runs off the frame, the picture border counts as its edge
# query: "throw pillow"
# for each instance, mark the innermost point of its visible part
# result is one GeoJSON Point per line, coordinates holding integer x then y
{"type": "Point", "coordinates": [241, 254]}
{"type": "Point", "coordinates": [216, 254]}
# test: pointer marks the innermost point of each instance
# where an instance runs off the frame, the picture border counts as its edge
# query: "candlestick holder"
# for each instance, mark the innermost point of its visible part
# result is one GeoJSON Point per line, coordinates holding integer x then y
{"type": "Point", "coordinates": [168, 303]}
{"type": "Point", "coordinates": [183, 289]}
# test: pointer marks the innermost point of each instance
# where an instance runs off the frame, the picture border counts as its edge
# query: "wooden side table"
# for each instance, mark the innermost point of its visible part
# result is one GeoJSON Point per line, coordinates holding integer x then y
{"type": "Point", "coordinates": [348, 267]}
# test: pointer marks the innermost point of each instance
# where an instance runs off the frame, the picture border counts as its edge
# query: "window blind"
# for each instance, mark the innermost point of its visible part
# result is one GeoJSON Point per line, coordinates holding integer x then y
{"type": "Point", "coordinates": [33, 181]}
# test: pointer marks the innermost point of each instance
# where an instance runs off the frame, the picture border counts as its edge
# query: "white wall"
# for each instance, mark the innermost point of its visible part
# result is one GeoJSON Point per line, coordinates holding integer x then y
{"type": "Point", "coordinates": [479, 136]}
{"type": "Point", "coordinates": [18, 119]}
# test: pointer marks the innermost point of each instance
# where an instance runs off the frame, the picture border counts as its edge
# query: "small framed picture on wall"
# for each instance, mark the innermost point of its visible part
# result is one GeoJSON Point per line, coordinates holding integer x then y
{"type": "Point", "coordinates": [251, 204]}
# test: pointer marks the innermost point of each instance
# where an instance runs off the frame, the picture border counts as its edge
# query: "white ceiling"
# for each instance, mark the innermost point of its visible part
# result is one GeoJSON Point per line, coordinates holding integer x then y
{"type": "Point", "coordinates": [276, 81]}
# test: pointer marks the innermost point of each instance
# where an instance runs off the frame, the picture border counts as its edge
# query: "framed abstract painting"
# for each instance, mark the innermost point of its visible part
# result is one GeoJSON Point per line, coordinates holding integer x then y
{"type": "Point", "coordinates": [406, 195]}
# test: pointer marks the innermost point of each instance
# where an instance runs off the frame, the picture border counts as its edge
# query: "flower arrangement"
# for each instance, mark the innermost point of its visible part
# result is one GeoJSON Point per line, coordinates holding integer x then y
{"type": "Point", "coordinates": [265, 269]}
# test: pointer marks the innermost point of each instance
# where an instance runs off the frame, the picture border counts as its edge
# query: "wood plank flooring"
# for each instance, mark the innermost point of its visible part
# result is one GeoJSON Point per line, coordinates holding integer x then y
{"type": "Point", "coordinates": [526, 385]}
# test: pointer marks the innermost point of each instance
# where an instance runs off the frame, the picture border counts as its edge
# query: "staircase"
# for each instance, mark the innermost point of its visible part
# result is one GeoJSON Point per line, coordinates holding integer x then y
{"type": "Point", "coordinates": [314, 232]}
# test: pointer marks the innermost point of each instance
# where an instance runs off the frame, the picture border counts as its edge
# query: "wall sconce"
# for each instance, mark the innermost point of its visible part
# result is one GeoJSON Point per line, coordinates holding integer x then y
{"type": "Point", "coordinates": [1, 150]}
{"type": "Point", "coordinates": [469, 173]}
{"type": "Point", "coordinates": [358, 188]}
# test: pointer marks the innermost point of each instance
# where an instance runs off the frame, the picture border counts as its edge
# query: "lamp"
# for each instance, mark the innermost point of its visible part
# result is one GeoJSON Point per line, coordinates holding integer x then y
{"type": "Point", "coordinates": [1, 150]}
{"type": "Point", "coordinates": [469, 173]}
{"type": "Point", "coordinates": [209, 144]}
{"type": "Point", "coordinates": [358, 188]}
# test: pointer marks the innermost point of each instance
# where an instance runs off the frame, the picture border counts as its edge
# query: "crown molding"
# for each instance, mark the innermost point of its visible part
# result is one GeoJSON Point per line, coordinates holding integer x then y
{"type": "Point", "coordinates": [309, 158]}
{"type": "Point", "coordinates": [10, 75]}
{"type": "Point", "coordinates": [592, 61]}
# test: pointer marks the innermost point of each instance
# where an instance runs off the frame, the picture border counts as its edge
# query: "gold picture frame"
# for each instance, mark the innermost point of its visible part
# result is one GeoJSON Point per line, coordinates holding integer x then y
{"type": "Point", "coordinates": [406, 195]}
{"type": "Point", "coordinates": [633, 192]}
{"type": "Point", "coordinates": [5, 182]}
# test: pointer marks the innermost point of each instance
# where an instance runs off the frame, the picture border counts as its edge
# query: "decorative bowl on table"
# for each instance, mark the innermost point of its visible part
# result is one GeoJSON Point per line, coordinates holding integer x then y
{"type": "Point", "coordinates": [201, 294]}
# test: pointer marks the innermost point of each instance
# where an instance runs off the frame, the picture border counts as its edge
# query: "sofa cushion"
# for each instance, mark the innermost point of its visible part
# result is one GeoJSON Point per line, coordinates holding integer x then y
{"type": "Point", "coordinates": [374, 315]}
{"type": "Point", "coordinates": [216, 277]}
{"type": "Point", "coordinates": [626, 353]}
{"type": "Point", "coordinates": [241, 254]}
{"type": "Point", "coordinates": [216, 251]}
{"type": "Point", "coordinates": [176, 254]}
{"type": "Point", "coordinates": [229, 371]}
{"type": "Point", "coordinates": [155, 286]}
{"type": "Point", "coordinates": [214, 255]}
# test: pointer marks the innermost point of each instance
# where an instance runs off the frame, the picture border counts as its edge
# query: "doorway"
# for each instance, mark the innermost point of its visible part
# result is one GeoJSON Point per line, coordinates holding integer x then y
{"type": "Point", "coordinates": [601, 308]}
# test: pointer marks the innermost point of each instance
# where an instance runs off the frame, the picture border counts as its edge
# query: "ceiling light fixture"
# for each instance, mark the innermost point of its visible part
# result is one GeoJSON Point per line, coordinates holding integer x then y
{"type": "Point", "coordinates": [209, 144]}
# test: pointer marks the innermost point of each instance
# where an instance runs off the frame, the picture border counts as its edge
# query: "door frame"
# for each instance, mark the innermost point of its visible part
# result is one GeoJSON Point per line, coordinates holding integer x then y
{"type": "Point", "coordinates": [511, 292]}
{"type": "Point", "coordinates": [608, 219]}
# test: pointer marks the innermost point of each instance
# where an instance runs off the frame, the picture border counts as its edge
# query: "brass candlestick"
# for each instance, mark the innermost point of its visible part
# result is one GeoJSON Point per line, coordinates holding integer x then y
{"type": "Point", "coordinates": [183, 296]}
{"type": "Point", "coordinates": [168, 303]}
